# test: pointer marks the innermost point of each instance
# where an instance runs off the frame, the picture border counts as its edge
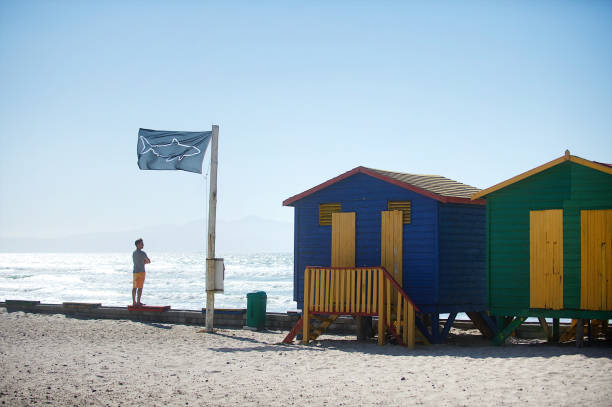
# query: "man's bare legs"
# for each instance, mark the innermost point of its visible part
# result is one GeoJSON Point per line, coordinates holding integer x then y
{"type": "Point", "coordinates": [136, 294]}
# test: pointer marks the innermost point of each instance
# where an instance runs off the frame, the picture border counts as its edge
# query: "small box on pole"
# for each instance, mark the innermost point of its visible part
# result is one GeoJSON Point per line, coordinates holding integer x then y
{"type": "Point", "coordinates": [215, 274]}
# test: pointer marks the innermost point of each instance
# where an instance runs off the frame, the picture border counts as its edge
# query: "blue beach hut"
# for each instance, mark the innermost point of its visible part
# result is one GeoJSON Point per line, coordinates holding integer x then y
{"type": "Point", "coordinates": [441, 264]}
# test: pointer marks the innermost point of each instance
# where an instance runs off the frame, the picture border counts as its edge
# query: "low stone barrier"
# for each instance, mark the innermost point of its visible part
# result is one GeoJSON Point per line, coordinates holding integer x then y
{"type": "Point", "coordinates": [223, 318]}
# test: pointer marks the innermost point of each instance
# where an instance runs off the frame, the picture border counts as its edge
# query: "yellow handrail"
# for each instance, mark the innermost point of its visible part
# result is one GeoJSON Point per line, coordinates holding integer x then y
{"type": "Point", "coordinates": [359, 291]}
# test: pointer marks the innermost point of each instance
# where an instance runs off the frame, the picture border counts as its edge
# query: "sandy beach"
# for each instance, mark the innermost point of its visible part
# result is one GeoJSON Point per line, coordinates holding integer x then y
{"type": "Point", "coordinates": [62, 361]}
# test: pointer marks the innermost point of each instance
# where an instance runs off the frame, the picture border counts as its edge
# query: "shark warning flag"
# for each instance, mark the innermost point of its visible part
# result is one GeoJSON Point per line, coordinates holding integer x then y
{"type": "Point", "coordinates": [172, 150]}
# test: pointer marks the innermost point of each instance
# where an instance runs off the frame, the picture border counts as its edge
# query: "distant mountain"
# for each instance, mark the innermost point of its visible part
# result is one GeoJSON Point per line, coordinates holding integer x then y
{"type": "Point", "coordinates": [244, 236]}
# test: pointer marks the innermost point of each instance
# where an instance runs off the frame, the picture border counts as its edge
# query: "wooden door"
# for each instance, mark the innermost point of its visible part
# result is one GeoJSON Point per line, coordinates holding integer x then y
{"type": "Point", "coordinates": [343, 239]}
{"type": "Point", "coordinates": [546, 259]}
{"type": "Point", "coordinates": [391, 243]}
{"type": "Point", "coordinates": [596, 259]}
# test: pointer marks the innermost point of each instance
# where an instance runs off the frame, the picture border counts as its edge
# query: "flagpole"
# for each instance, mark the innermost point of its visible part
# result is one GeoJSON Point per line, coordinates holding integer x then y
{"type": "Point", "coordinates": [212, 220]}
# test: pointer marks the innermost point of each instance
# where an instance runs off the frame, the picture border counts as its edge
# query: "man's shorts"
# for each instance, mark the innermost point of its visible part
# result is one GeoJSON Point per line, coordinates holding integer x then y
{"type": "Point", "coordinates": [139, 279]}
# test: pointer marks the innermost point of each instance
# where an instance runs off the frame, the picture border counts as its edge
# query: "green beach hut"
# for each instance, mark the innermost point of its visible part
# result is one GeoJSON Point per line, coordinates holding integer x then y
{"type": "Point", "coordinates": [549, 244]}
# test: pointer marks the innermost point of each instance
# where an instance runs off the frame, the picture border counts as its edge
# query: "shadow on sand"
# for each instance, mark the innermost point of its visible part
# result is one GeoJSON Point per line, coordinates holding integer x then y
{"type": "Point", "coordinates": [467, 346]}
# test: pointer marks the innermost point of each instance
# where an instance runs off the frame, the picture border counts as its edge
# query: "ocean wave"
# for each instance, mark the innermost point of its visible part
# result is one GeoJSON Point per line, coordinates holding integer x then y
{"type": "Point", "coordinates": [175, 279]}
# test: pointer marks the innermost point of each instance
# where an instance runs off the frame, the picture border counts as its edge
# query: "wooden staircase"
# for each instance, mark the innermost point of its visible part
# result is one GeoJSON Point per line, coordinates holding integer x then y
{"type": "Point", "coordinates": [355, 291]}
{"type": "Point", "coordinates": [320, 325]}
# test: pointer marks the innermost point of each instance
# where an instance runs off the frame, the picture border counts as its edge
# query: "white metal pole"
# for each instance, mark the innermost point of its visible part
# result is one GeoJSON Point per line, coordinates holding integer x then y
{"type": "Point", "coordinates": [212, 220]}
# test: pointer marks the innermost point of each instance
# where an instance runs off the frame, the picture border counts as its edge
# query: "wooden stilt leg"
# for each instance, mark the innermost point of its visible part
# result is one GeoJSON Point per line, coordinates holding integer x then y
{"type": "Point", "coordinates": [589, 330]}
{"type": "Point", "coordinates": [580, 333]}
{"type": "Point", "coordinates": [411, 327]}
{"type": "Point", "coordinates": [306, 306]}
{"type": "Point", "coordinates": [381, 311]}
{"type": "Point", "coordinates": [544, 325]}
{"type": "Point", "coordinates": [556, 326]}
{"type": "Point", "coordinates": [507, 331]}
{"type": "Point", "coordinates": [435, 327]}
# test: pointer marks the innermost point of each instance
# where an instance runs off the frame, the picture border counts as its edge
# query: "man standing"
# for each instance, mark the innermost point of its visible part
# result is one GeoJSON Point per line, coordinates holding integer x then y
{"type": "Point", "coordinates": [140, 259]}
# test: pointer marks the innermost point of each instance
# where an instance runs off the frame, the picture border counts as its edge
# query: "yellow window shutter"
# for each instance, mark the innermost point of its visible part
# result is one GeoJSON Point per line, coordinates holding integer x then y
{"type": "Point", "coordinates": [403, 206]}
{"type": "Point", "coordinates": [325, 212]}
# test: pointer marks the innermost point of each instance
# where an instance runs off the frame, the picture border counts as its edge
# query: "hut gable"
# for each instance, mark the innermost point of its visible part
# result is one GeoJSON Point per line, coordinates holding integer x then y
{"type": "Point", "coordinates": [368, 197]}
{"type": "Point", "coordinates": [436, 256]}
{"type": "Point", "coordinates": [568, 186]}
{"type": "Point", "coordinates": [433, 186]}
{"type": "Point", "coordinates": [567, 158]}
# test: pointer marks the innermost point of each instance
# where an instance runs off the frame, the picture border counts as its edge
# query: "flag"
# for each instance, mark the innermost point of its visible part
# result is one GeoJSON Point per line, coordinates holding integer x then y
{"type": "Point", "coordinates": [172, 150]}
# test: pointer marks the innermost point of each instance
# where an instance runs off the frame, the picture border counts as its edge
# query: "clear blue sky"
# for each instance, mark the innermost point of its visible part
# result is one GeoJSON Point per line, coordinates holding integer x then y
{"type": "Point", "coordinates": [476, 91]}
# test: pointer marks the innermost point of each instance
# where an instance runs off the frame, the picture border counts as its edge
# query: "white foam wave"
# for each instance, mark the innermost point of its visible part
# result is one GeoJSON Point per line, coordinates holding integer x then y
{"type": "Point", "coordinates": [176, 279]}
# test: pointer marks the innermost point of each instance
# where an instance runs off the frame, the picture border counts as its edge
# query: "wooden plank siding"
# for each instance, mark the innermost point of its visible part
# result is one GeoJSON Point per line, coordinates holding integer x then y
{"type": "Point", "coordinates": [462, 254]}
{"type": "Point", "coordinates": [368, 197]}
{"type": "Point", "coordinates": [590, 189]}
{"type": "Point", "coordinates": [546, 259]}
{"type": "Point", "coordinates": [508, 233]}
{"type": "Point", "coordinates": [356, 291]}
{"type": "Point", "coordinates": [596, 260]}
{"type": "Point", "coordinates": [569, 187]}
{"type": "Point", "coordinates": [343, 239]}
{"type": "Point", "coordinates": [391, 245]}
{"type": "Point", "coordinates": [443, 247]}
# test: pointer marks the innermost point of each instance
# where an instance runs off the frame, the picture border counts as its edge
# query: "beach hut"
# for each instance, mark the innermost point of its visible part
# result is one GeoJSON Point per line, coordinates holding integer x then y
{"type": "Point", "coordinates": [549, 234]}
{"type": "Point", "coordinates": [424, 229]}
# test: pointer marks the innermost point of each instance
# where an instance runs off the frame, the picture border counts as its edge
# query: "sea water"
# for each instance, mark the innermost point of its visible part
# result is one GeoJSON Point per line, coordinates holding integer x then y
{"type": "Point", "coordinates": [175, 279]}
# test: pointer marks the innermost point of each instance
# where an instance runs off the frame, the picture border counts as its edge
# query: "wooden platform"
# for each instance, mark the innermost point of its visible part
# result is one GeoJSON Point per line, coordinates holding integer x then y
{"type": "Point", "coordinates": [148, 308]}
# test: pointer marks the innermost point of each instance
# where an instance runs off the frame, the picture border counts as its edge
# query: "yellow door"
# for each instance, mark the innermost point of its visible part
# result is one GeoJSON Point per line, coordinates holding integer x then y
{"type": "Point", "coordinates": [596, 259]}
{"type": "Point", "coordinates": [391, 243]}
{"type": "Point", "coordinates": [546, 259]}
{"type": "Point", "coordinates": [343, 239]}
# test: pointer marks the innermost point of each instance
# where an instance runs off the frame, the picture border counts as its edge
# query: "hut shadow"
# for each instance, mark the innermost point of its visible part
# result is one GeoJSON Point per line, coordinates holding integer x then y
{"type": "Point", "coordinates": [481, 349]}
{"type": "Point", "coordinates": [266, 346]}
{"type": "Point", "coordinates": [457, 345]}
{"type": "Point", "coordinates": [93, 317]}
{"type": "Point", "coordinates": [156, 325]}
{"type": "Point", "coordinates": [279, 347]}
{"type": "Point", "coordinates": [237, 337]}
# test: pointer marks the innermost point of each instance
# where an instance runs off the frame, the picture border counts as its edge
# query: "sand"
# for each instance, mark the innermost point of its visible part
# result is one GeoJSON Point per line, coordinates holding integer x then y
{"type": "Point", "coordinates": [61, 361]}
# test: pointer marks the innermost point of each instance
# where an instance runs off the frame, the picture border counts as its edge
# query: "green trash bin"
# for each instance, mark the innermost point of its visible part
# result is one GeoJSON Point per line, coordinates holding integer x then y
{"type": "Point", "coordinates": [256, 309]}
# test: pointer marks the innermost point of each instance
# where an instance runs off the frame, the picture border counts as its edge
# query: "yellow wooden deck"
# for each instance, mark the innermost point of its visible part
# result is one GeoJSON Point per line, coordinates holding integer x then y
{"type": "Point", "coordinates": [359, 291]}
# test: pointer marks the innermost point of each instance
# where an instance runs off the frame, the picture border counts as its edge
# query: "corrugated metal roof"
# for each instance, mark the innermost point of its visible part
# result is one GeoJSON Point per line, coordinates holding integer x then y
{"type": "Point", "coordinates": [436, 184]}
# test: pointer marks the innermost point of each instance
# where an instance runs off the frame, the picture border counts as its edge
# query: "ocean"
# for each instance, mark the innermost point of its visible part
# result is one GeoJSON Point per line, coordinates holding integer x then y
{"type": "Point", "coordinates": [175, 279]}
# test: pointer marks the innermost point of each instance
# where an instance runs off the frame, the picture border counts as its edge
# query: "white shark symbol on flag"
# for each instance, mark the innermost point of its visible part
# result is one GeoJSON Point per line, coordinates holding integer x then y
{"type": "Point", "coordinates": [170, 151]}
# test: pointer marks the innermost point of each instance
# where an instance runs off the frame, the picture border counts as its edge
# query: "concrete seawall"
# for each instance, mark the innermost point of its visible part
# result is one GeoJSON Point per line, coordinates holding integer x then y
{"type": "Point", "coordinates": [224, 318]}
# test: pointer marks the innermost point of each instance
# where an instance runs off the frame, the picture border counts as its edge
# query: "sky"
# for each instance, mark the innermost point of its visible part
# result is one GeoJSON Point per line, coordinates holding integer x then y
{"type": "Point", "coordinates": [475, 91]}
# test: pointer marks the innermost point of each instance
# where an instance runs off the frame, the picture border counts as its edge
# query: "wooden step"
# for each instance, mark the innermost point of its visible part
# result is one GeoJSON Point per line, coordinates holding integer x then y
{"type": "Point", "coordinates": [319, 317]}
{"type": "Point", "coordinates": [420, 338]}
{"type": "Point", "coordinates": [315, 332]}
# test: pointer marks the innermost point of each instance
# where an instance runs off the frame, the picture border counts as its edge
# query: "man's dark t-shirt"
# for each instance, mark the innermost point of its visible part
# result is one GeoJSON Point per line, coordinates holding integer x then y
{"type": "Point", "coordinates": [139, 258]}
